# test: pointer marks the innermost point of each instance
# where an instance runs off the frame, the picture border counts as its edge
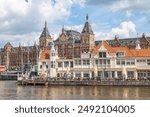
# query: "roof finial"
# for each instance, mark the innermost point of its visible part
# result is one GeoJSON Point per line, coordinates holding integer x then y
{"type": "Point", "coordinates": [63, 29]}
{"type": "Point", "coordinates": [45, 24]}
{"type": "Point", "coordinates": [116, 37]}
{"type": "Point", "coordinates": [137, 35]}
{"type": "Point", "coordinates": [137, 47]}
{"type": "Point", "coordinates": [87, 17]}
{"type": "Point", "coordinates": [143, 35]}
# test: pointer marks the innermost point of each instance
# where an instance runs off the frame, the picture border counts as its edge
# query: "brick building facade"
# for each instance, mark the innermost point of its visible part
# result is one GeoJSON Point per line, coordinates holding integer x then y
{"type": "Point", "coordinates": [70, 44]}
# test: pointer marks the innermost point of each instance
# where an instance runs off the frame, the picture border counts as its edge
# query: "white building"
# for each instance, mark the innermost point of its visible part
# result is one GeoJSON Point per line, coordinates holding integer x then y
{"type": "Point", "coordinates": [102, 62]}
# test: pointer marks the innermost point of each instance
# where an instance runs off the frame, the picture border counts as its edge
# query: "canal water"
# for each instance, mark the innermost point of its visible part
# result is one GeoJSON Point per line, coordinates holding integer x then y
{"type": "Point", "coordinates": [9, 90]}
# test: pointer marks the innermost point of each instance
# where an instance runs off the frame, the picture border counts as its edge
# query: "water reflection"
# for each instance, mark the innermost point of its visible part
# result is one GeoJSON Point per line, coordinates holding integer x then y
{"type": "Point", "coordinates": [10, 90]}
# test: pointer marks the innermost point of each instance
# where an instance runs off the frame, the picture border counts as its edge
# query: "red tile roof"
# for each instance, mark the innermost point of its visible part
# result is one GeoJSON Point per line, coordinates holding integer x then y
{"type": "Point", "coordinates": [45, 54]}
{"type": "Point", "coordinates": [141, 52]}
{"type": "Point", "coordinates": [128, 52]}
{"type": "Point", "coordinates": [105, 44]}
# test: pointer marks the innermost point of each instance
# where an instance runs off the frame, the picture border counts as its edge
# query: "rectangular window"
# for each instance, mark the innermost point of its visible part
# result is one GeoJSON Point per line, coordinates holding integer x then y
{"type": "Point", "coordinates": [102, 54]}
{"type": "Point", "coordinates": [113, 74]}
{"type": "Point", "coordinates": [40, 66]}
{"type": "Point", "coordinates": [128, 62]}
{"type": "Point", "coordinates": [106, 74]}
{"type": "Point", "coordinates": [69, 51]}
{"type": "Point", "coordinates": [71, 63]}
{"type": "Point", "coordinates": [96, 61]}
{"type": "Point", "coordinates": [66, 64]}
{"type": "Point", "coordinates": [108, 62]}
{"type": "Point", "coordinates": [119, 73]}
{"type": "Point", "coordinates": [86, 62]}
{"type": "Point", "coordinates": [141, 60]}
{"type": "Point", "coordinates": [132, 62]}
{"type": "Point", "coordinates": [77, 62]}
{"type": "Point", "coordinates": [120, 54]}
{"type": "Point", "coordinates": [86, 75]}
{"type": "Point", "coordinates": [130, 74]}
{"type": "Point", "coordinates": [148, 74]}
{"type": "Point", "coordinates": [52, 64]}
{"type": "Point", "coordinates": [78, 75]}
{"type": "Point", "coordinates": [120, 62]}
{"type": "Point", "coordinates": [43, 63]}
{"type": "Point", "coordinates": [59, 64]}
{"type": "Point", "coordinates": [104, 62]}
{"type": "Point", "coordinates": [100, 61]}
{"type": "Point", "coordinates": [148, 61]}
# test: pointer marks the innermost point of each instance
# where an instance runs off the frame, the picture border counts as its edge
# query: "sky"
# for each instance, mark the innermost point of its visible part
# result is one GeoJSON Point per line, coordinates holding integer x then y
{"type": "Point", "coordinates": [22, 21]}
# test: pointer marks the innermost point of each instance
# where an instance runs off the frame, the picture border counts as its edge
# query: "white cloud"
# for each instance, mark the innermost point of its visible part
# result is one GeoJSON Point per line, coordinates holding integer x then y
{"type": "Point", "coordinates": [24, 18]}
{"type": "Point", "coordinates": [125, 30]}
{"type": "Point", "coordinates": [24, 39]}
{"type": "Point", "coordinates": [131, 5]}
{"type": "Point", "coordinates": [75, 27]}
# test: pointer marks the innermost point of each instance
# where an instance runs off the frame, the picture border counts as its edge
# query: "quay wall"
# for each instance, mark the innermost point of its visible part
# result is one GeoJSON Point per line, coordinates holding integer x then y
{"type": "Point", "coordinates": [85, 83]}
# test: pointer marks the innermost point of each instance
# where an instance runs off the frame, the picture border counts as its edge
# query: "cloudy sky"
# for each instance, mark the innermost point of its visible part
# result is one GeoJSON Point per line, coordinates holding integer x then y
{"type": "Point", "coordinates": [22, 21]}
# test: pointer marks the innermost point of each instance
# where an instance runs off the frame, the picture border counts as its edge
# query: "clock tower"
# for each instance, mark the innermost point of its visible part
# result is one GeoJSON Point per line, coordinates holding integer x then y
{"type": "Point", "coordinates": [87, 37]}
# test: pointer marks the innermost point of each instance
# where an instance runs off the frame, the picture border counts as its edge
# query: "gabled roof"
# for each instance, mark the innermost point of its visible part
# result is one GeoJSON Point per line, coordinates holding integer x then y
{"type": "Point", "coordinates": [126, 50]}
{"type": "Point", "coordinates": [8, 44]}
{"type": "Point", "coordinates": [106, 45]}
{"type": "Point", "coordinates": [71, 35]}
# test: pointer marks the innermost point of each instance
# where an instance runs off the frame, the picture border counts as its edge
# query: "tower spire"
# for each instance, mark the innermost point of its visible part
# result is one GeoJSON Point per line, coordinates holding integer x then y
{"type": "Point", "coordinates": [63, 29]}
{"type": "Point", "coordinates": [87, 17]}
{"type": "Point", "coordinates": [45, 24]}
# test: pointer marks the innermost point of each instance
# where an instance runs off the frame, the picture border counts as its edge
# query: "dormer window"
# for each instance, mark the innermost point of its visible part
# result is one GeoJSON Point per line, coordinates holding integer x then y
{"type": "Point", "coordinates": [120, 54]}
{"type": "Point", "coordinates": [102, 54]}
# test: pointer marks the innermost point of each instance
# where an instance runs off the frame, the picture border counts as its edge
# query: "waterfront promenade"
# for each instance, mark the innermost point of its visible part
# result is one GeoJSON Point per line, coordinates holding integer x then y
{"type": "Point", "coordinates": [86, 82]}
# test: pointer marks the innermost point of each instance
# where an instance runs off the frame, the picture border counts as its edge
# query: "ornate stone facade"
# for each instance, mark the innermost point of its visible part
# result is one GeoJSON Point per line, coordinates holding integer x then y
{"type": "Point", "coordinates": [70, 44]}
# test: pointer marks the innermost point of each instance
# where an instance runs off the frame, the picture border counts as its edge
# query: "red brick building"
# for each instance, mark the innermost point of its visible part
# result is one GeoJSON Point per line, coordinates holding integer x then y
{"type": "Point", "coordinates": [69, 44]}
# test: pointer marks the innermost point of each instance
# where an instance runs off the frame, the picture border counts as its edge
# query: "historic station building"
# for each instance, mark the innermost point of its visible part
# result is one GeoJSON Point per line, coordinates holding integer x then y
{"type": "Point", "coordinates": [77, 54]}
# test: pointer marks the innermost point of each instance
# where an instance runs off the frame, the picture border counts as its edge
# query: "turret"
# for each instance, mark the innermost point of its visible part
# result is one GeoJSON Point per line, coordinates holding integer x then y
{"type": "Point", "coordinates": [53, 60]}
{"type": "Point", "coordinates": [137, 45]}
{"type": "Point", "coordinates": [87, 36]}
{"type": "Point", "coordinates": [45, 37]}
